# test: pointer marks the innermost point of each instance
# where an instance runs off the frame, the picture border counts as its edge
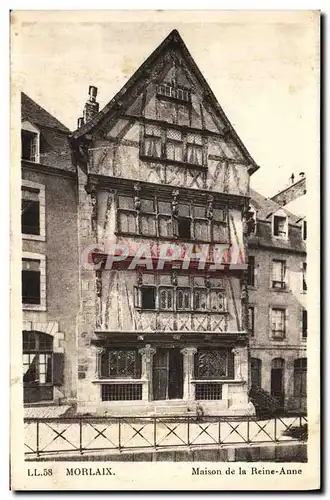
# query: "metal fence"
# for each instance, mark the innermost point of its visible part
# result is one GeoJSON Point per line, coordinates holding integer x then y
{"type": "Point", "coordinates": [83, 435]}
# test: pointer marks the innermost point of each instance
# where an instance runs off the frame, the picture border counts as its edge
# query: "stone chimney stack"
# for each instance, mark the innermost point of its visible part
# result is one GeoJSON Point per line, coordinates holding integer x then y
{"type": "Point", "coordinates": [92, 106]}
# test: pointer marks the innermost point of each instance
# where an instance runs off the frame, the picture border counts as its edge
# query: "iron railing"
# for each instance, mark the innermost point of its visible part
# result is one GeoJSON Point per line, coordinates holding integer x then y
{"type": "Point", "coordinates": [83, 435]}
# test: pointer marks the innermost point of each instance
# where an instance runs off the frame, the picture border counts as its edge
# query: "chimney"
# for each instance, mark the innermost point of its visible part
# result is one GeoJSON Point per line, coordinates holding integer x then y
{"type": "Point", "coordinates": [302, 174]}
{"type": "Point", "coordinates": [80, 122]}
{"type": "Point", "coordinates": [91, 107]}
{"type": "Point", "coordinates": [292, 178]}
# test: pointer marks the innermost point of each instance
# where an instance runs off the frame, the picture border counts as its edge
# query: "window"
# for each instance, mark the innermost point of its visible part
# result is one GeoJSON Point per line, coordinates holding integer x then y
{"type": "Point", "coordinates": [278, 276]}
{"type": "Point", "coordinates": [33, 211]}
{"type": "Point", "coordinates": [174, 145]}
{"type": "Point", "coordinates": [148, 297]}
{"type": "Point", "coordinates": [304, 230]}
{"type": "Point", "coordinates": [214, 364]}
{"type": "Point", "coordinates": [194, 149]}
{"type": "Point", "coordinates": [251, 321]}
{"type": "Point", "coordinates": [30, 211]}
{"type": "Point", "coordinates": [251, 270]}
{"type": "Point", "coordinates": [166, 296]}
{"type": "Point", "coordinates": [200, 299]}
{"type": "Point", "coordinates": [304, 323]}
{"type": "Point", "coordinates": [33, 282]}
{"type": "Point", "coordinates": [38, 360]}
{"type": "Point", "coordinates": [121, 392]}
{"type": "Point", "coordinates": [304, 277]}
{"type": "Point", "coordinates": [190, 294]}
{"type": "Point", "coordinates": [152, 141]}
{"type": "Point", "coordinates": [278, 323]}
{"type": "Point", "coordinates": [121, 363]}
{"type": "Point", "coordinates": [174, 92]}
{"type": "Point", "coordinates": [280, 226]}
{"type": "Point", "coordinates": [30, 146]}
{"type": "Point", "coordinates": [170, 143]}
{"type": "Point", "coordinates": [153, 218]}
{"type": "Point", "coordinates": [183, 299]}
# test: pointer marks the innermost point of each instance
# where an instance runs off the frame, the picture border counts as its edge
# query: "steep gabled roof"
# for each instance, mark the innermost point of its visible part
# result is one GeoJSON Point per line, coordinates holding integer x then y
{"type": "Point", "coordinates": [37, 115]}
{"type": "Point", "coordinates": [117, 102]}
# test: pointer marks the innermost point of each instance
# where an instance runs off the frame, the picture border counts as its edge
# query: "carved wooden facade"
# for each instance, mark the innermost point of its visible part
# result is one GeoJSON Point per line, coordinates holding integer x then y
{"type": "Point", "coordinates": [161, 163]}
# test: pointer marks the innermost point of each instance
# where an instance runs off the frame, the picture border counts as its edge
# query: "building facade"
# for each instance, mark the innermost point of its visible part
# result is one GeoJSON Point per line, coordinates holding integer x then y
{"type": "Point", "coordinates": [277, 282]}
{"type": "Point", "coordinates": [50, 278]}
{"type": "Point", "coordinates": [161, 165]}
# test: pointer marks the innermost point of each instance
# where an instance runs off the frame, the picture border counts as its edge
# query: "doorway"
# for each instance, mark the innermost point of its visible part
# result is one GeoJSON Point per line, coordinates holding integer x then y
{"type": "Point", "coordinates": [277, 380]}
{"type": "Point", "coordinates": [167, 374]}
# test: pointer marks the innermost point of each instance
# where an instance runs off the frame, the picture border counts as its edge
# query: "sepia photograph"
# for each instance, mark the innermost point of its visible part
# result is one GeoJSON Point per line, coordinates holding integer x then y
{"type": "Point", "coordinates": [164, 181]}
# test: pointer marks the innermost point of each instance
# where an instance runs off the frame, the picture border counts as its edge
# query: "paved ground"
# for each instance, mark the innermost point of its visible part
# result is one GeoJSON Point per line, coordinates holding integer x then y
{"type": "Point", "coordinates": [59, 435]}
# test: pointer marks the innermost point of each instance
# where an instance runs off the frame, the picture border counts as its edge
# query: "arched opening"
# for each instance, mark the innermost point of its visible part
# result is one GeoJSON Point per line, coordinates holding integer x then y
{"type": "Point", "coordinates": [277, 380]}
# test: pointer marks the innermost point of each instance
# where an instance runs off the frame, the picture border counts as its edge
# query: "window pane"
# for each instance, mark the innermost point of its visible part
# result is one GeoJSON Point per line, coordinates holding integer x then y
{"type": "Point", "coordinates": [201, 230]}
{"type": "Point", "coordinates": [30, 369]}
{"type": "Point", "coordinates": [183, 299]}
{"type": "Point", "coordinates": [200, 300]}
{"type": "Point", "coordinates": [147, 205]}
{"type": "Point", "coordinates": [148, 295]}
{"type": "Point", "coordinates": [219, 215]}
{"type": "Point", "coordinates": [217, 301]}
{"type": "Point", "coordinates": [166, 298]}
{"type": "Point", "coordinates": [127, 223]}
{"type": "Point", "coordinates": [174, 151]}
{"type": "Point", "coordinates": [148, 225]}
{"type": "Point", "coordinates": [165, 227]}
{"type": "Point", "coordinates": [30, 217]}
{"type": "Point", "coordinates": [152, 147]}
{"type": "Point", "coordinates": [211, 364]}
{"type": "Point", "coordinates": [31, 287]}
{"type": "Point", "coordinates": [164, 207]}
{"type": "Point", "coordinates": [126, 202]}
{"type": "Point", "coordinates": [120, 364]}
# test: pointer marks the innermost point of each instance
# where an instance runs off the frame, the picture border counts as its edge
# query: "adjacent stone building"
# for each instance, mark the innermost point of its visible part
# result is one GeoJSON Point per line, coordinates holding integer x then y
{"type": "Point", "coordinates": [277, 282]}
{"type": "Point", "coordinates": [50, 273]}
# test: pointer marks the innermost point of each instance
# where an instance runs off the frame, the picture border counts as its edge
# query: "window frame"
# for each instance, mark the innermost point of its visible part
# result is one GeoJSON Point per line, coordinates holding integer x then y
{"type": "Point", "coordinates": [251, 331]}
{"type": "Point", "coordinates": [159, 215]}
{"type": "Point", "coordinates": [251, 273]}
{"type": "Point", "coordinates": [37, 351]}
{"type": "Point", "coordinates": [42, 267]}
{"type": "Point", "coordinates": [27, 127]}
{"type": "Point", "coordinates": [229, 365]}
{"type": "Point", "coordinates": [174, 289]}
{"type": "Point", "coordinates": [283, 272]}
{"type": "Point", "coordinates": [137, 375]}
{"type": "Point", "coordinates": [280, 215]}
{"type": "Point", "coordinates": [274, 335]}
{"type": "Point", "coordinates": [40, 188]}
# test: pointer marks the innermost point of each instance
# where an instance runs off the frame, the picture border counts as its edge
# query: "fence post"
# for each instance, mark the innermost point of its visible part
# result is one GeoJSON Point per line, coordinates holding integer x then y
{"type": "Point", "coordinates": [275, 429]}
{"type": "Point", "coordinates": [38, 438]}
{"type": "Point", "coordinates": [219, 431]}
{"type": "Point", "coordinates": [119, 433]}
{"type": "Point", "coordinates": [155, 432]}
{"type": "Point", "coordinates": [188, 430]}
{"type": "Point", "coordinates": [248, 430]}
{"type": "Point", "coordinates": [80, 436]}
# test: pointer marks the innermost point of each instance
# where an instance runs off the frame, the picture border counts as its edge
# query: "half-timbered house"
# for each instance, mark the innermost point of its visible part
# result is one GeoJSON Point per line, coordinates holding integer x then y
{"type": "Point", "coordinates": [161, 165]}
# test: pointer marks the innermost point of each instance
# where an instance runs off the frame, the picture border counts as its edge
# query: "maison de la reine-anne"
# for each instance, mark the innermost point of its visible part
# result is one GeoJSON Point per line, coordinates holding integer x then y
{"type": "Point", "coordinates": [160, 164]}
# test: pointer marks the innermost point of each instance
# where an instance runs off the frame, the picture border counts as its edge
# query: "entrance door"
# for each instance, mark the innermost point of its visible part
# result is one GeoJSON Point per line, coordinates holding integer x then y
{"type": "Point", "coordinates": [277, 380]}
{"type": "Point", "coordinates": [167, 374]}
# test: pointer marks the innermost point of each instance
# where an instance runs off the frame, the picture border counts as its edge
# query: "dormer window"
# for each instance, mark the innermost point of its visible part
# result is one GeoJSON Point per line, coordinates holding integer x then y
{"type": "Point", "coordinates": [173, 92]}
{"type": "Point", "coordinates": [30, 140]}
{"type": "Point", "coordinates": [280, 225]}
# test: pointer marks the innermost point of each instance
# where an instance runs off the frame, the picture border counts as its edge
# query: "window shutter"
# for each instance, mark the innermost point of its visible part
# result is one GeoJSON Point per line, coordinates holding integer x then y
{"type": "Point", "coordinates": [58, 368]}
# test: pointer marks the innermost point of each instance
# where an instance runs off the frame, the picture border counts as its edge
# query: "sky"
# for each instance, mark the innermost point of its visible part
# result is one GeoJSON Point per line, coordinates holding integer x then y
{"type": "Point", "coordinates": [263, 69]}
